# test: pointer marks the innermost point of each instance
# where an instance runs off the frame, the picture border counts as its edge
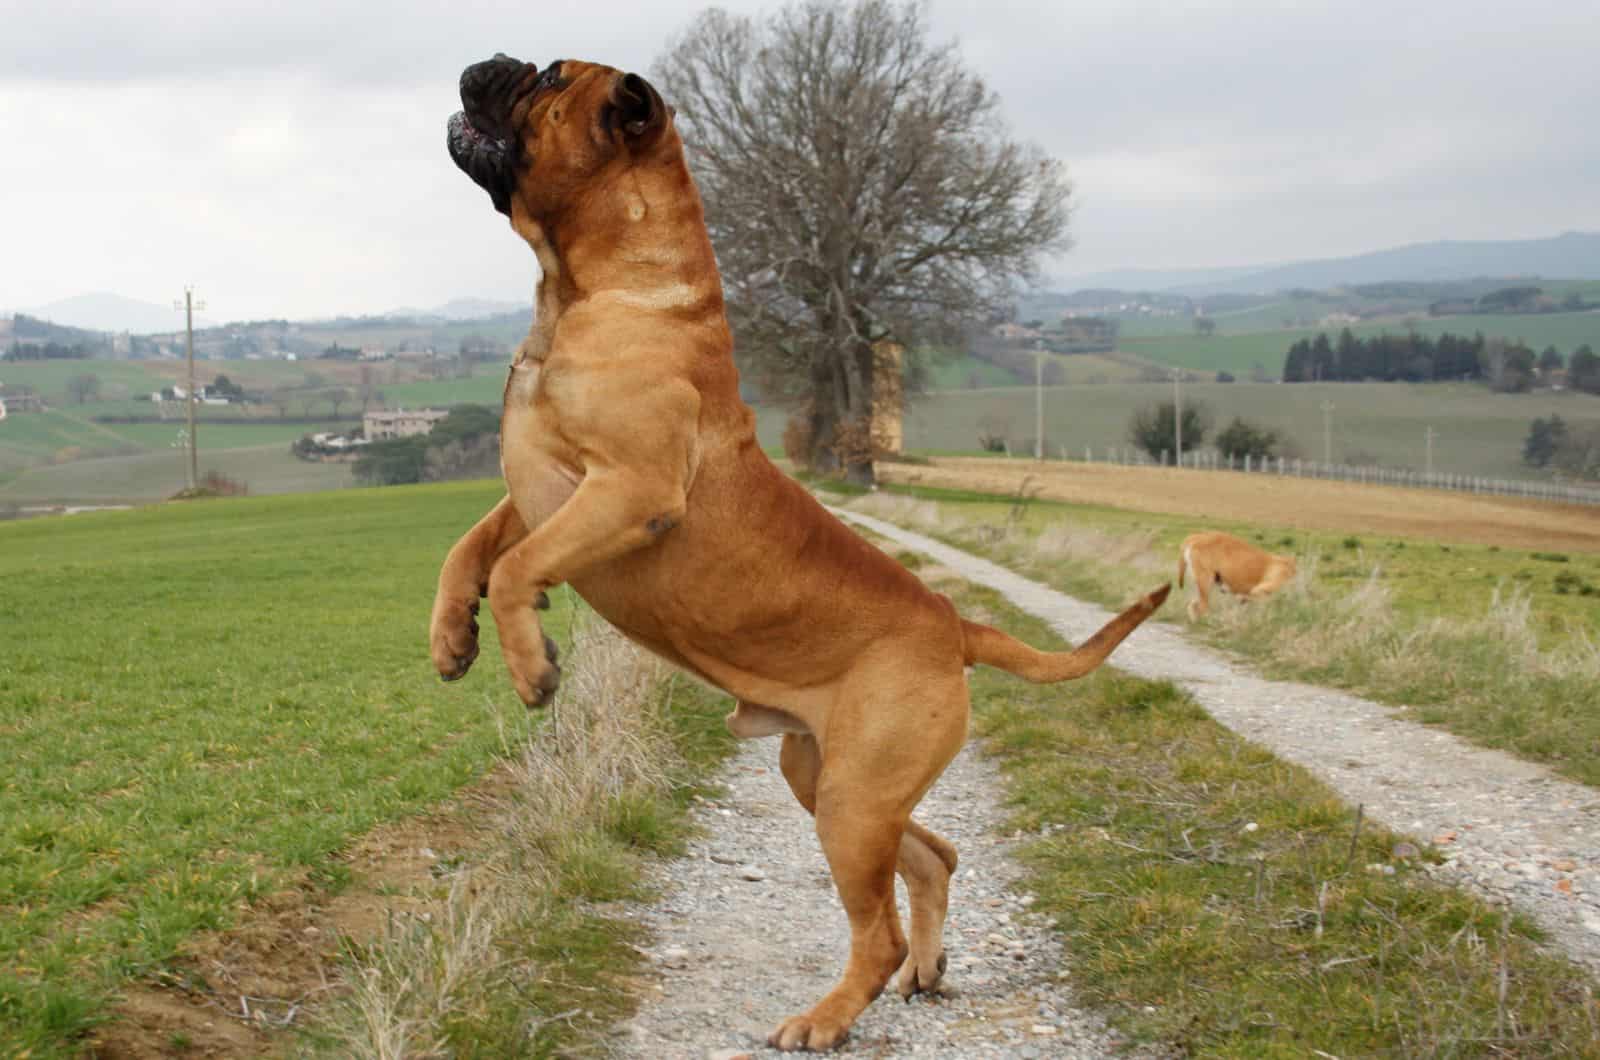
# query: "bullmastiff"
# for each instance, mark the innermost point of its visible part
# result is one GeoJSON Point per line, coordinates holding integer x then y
{"type": "Point", "coordinates": [633, 474]}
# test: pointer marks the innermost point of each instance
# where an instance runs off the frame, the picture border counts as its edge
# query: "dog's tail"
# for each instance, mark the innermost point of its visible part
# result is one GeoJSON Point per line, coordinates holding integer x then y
{"type": "Point", "coordinates": [987, 645]}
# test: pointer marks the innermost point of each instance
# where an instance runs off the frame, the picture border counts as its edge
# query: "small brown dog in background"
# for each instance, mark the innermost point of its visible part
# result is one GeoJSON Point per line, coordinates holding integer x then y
{"type": "Point", "coordinates": [1238, 566]}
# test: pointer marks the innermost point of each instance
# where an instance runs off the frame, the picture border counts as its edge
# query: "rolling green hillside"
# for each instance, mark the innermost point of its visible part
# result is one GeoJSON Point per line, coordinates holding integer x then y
{"type": "Point", "coordinates": [1479, 432]}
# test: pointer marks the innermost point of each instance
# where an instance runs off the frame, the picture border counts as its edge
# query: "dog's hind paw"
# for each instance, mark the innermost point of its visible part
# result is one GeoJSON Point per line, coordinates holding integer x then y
{"type": "Point", "coordinates": [808, 1033]}
{"type": "Point", "coordinates": [920, 976]}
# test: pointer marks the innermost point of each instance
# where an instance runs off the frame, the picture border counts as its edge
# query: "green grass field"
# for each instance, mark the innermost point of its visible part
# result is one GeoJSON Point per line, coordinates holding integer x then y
{"type": "Point", "coordinates": [198, 701]}
{"type": "Point", "coordinates": [157, 474]}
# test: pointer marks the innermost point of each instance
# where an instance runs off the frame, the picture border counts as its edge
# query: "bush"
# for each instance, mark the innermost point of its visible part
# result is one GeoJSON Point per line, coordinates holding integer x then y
{"type": "Point", "coordinates": [1154, 428]}
{"type": "Point", "coordinates": [393, 462]}
{"type": "Point", "coordinates": [1241, 438]}
{"type": "Point", "coordinates": [1545, 439]}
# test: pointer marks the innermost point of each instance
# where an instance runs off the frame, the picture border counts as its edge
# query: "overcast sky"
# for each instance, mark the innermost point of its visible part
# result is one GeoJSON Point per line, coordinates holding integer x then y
{"type": "Point", "coordinates": [288, 158]}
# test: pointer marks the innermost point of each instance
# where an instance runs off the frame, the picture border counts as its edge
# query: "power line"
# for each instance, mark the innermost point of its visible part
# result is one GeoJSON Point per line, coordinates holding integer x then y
{"type": "Point", "coordinates": [1327, 432]}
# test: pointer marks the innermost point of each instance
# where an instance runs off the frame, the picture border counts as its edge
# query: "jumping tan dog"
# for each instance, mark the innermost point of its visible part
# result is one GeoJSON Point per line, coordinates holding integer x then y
{"type": "Point", "coordinates": [1238, 566]}
{"type": "Point", "coordinates": [633, 474]}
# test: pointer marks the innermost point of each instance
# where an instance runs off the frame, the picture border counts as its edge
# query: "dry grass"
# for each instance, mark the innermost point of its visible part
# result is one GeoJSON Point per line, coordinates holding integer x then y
{"type": "Point", "coordinates": [1271, 500]}
{"type": "Point", "coordinates": [514, 957]}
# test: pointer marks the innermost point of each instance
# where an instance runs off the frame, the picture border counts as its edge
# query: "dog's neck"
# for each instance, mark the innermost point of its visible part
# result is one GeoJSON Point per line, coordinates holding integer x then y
{"type": "Point", "coordinates": [663, 262]}
{"type": "Point", "coordinates": [547, 300]}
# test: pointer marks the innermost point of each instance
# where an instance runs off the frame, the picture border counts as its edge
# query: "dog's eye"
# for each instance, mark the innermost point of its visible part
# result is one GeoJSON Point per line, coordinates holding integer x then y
{"type": "Point", "coordinates": [550, 78]}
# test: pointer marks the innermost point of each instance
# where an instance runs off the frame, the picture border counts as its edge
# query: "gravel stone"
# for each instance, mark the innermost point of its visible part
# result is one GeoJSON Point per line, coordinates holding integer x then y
{"type": "Point", "coordinates": [729, 965]}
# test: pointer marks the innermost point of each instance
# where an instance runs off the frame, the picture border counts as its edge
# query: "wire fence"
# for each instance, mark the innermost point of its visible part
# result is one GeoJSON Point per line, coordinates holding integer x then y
{"type": "Point", "coordinates": [1211, 460]}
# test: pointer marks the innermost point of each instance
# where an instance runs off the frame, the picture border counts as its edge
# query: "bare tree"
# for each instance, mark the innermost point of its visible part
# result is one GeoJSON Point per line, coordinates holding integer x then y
{"type": "Point", "coordinates": [860, 186]}
{"type": "Point", "coordinates": [336, 396]}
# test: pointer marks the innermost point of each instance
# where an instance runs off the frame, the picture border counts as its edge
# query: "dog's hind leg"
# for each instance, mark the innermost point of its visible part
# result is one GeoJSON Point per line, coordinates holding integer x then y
{"type": "Point", "coordinates": [862, 784]}
{"type": "Point", "coordinates": [926, 861]}
{"type": "Point", "coordinates": [1204, 579]}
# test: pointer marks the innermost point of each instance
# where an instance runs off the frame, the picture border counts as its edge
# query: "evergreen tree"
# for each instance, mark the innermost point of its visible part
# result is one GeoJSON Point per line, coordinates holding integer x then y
{"type": "Point", "coordinates": [1550, 362]}
{"type": "Point", "coordinates": [1583, 370]}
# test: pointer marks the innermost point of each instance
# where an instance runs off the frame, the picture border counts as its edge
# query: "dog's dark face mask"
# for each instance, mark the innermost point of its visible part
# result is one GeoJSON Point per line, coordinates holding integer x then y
{"type": "Point", "coordinates": [485, 137]}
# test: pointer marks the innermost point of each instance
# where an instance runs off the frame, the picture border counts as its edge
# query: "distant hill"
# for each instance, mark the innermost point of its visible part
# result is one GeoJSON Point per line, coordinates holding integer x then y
{"type": "Point", "coordinates": [1139, 280]}
{"type": "Point", "coordinates": [104, 311]}
{"type": "Point", "coordinates": [463, 309]}
{"type": "Point", "coordinates": [107, 312]}
{"type": "Point", "coordinates": [1570, 256]}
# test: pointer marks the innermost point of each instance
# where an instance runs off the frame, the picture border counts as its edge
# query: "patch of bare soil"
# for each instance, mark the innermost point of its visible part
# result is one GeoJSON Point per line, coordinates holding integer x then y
{"type": "Point", "coordinates": [245, 991]}
{"type": "Point", "coordinates": [1305, 504]}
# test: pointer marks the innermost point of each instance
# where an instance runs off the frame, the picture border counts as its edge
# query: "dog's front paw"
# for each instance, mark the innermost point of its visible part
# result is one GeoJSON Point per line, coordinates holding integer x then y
{"type": "Point", "coordinates": [453, 636]}
{"type": "Point", "coordinates": [536, 679]}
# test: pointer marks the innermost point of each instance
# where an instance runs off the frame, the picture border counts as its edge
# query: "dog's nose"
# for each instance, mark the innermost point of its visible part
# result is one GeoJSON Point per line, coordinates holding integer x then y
{"type": "Point", "coordinates": [491, 80]}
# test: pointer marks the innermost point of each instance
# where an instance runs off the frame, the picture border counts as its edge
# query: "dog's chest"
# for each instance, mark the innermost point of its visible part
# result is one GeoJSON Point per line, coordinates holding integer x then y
{"type": "Point", "coordinates": [522, 382]}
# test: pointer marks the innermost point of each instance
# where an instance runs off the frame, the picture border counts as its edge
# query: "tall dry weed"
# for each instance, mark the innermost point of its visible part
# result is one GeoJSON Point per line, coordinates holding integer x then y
{"type": "Point", "coordinates": [604, 739]}
{"type": "Point", "coordinates": [901, 510]}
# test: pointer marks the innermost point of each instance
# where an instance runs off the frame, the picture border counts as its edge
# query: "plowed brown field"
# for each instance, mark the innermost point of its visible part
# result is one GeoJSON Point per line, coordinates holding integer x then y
{"type": "Point", "coordinates": [1306, 504]}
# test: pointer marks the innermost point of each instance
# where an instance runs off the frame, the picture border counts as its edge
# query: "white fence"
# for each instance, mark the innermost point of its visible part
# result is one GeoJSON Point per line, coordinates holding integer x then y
{"type": "Point", "coordinates": [1211, 460]}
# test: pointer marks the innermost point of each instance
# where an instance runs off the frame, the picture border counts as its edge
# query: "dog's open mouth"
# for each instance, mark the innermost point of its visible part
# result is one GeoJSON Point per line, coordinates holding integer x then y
{"type": "Point", "coordinates": [486, 159]}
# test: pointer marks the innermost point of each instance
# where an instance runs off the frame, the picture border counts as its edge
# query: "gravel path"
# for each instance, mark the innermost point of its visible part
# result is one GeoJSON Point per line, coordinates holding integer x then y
{"type": "Point", "coordinates": [1511, 830]}
{"type": "Point", "coordinates": [750, 932]}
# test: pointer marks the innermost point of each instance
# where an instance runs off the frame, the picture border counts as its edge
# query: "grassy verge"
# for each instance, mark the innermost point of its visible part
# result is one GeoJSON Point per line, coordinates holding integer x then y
{"type": "Point", "coordinates": [1497, 645]}
{"type": "Point", "coordinates": [1224, 901]}
{"type": "Point", "coordinates": [519, 955]}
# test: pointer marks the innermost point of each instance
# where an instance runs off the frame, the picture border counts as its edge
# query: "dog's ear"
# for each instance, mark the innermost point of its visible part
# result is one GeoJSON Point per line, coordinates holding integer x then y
{"type": "Point", "coordinates": [636, 107]}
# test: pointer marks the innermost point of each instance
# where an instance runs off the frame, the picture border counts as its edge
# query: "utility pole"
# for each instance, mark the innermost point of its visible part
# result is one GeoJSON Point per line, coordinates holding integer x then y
{"type": "Point", "coordinates": [1038, 400]}
{"type": "Point", "coordinates": [1177, 414]}
{"type": "Point", "coordinates": [188, 306]}
{"type": "Point", "coordinates": [1327, 432]}
{"type": "Point", "coordinates": [1430, 434]}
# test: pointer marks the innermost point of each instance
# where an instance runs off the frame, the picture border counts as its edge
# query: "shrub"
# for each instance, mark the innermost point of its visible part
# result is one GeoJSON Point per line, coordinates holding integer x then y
{"type": "Point", "coordinates": [1241, 438]}
{"type": "Point", "coordinates": [1154, 428]}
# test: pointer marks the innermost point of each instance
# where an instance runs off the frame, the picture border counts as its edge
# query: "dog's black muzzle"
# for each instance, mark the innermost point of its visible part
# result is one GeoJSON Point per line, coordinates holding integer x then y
{"type": "Point", "coordinates": [480, 137]}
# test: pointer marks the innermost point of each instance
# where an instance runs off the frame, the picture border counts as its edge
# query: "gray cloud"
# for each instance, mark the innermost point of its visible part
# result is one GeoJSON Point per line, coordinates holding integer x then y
{"type": "Point", "coordinates": [289, 157]}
